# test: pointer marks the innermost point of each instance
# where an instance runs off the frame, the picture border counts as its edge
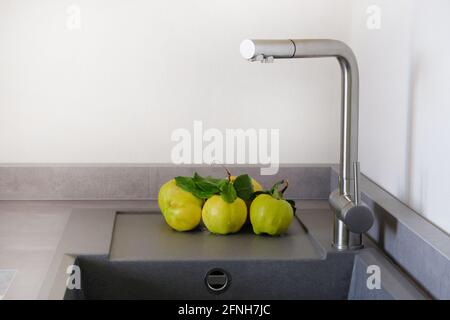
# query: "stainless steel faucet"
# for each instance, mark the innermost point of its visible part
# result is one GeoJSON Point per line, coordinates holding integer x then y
{"type": "Point", "coordinates": [352, 218]}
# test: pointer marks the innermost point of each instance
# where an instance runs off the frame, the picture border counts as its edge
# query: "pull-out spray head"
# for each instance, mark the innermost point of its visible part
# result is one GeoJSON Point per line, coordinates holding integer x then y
{"type": "Point", "coordinates": [260, 50]}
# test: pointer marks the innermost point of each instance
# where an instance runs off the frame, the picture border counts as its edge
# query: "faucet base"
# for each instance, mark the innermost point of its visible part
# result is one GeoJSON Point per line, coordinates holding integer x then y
{"type": "Point", "coordinates": [340, 235]}
{"type": "Point", "coordinates": [343, 239]}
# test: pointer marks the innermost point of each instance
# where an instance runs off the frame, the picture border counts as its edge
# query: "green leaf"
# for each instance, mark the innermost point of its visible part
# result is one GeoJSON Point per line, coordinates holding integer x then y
{"type": "Point", "coordinates": [185, 183]}
{"type": "Point", "coordinates": [276, 185]}
{"type": "Point", "coordinates": [223, 184]}
{"type": "Point", "coordinates": [188, 184]}
{"type": "Point", "coordinates": [201, 187]}
{"type": "Point", "coordinates": [202, 194]}
{"type": "Point", "coordinates": [274, 191]}
{"type": "Point", "coordinates": [244, 187]}
{"type": "Point", "coordinates": [228, 192]}
{"type": "Point", "coordinates": [212, 180]}
{"type": "Point", "coordinates": [277, 194]}
{"type": "Point", "coordinates": [208, 184]}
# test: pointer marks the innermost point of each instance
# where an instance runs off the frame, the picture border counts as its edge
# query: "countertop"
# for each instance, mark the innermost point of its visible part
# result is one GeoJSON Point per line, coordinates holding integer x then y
{"type": "Point", "coordinates": [41, 248]}
{"type": "Point", "coordinates": [31, 232]}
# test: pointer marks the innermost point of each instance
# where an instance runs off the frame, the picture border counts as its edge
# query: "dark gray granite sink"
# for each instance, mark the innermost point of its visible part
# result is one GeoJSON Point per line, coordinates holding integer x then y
{"type": "Point", "coordinates": [147, 260]}
{"type": "Point", "coordinates": [341, 276]}
{"type": "Point", "coordinates": [274, 279]}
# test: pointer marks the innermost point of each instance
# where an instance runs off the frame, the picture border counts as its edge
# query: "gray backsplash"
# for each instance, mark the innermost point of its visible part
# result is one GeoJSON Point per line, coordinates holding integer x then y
{"type": "Point", "coordinates": [140, 183]}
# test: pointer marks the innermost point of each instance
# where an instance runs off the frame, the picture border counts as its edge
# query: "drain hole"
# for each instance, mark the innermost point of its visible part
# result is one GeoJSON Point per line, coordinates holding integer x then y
{"type": "Point", "coordinates": [217, 280]}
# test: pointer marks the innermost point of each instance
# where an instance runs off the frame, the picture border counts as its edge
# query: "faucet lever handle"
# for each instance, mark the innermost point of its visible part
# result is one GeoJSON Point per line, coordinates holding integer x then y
{"type": "Point", "coordinates": [259, 58]}
{"type": "Point", "coordinates": [356, 171]}
{"type": "Point", "coordinates": [268, 59]}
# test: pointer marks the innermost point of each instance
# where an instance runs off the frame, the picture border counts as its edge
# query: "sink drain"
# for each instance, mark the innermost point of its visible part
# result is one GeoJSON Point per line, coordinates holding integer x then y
{"type": "Point", "coordinates": [217, 280]}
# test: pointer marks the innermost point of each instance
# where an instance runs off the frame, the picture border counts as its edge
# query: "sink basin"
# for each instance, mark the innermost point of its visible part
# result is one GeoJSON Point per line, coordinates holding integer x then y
{"type": "Point", "coordinates": [148, 260]}
{"type": "Point", "coordinates": [340, 276]}
{"type": "Point", "coordinates": [141, 258]}
{"type": "Point", "coordinates": [275, 279]}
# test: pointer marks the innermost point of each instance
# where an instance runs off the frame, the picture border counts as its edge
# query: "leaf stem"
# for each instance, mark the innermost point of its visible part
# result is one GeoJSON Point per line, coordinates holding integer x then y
{"type": "Point", "coordinates": [285, 187]}
{"type": "Point", "coordinates": [225, 168]}
{"type": "Point", "coordinates": [228, 174]}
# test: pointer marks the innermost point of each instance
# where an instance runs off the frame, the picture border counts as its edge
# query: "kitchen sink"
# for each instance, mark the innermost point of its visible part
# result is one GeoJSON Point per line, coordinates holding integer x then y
{"type": "Point", "coordinates": [104, 279]}
{"type": "Point", "coordinates": [148, 260]}
{"type": "Point", "coordinates": [340, 276]}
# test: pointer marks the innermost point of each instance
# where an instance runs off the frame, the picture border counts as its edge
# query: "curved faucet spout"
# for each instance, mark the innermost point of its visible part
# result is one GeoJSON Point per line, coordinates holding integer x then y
{"type": "Point", "coordinates": [345, 201]}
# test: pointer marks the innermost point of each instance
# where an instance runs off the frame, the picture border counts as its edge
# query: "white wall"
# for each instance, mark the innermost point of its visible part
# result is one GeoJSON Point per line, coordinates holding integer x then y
{"type": "Point", "coordinates": [405, 101]}
{"type": "Point", "coordinates": [116, 89]}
